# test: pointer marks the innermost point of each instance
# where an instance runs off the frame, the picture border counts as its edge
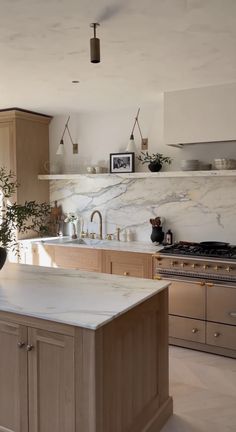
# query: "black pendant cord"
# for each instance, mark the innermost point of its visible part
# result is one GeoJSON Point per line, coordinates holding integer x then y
{"type": "Point", "coordinates": [66, 127]}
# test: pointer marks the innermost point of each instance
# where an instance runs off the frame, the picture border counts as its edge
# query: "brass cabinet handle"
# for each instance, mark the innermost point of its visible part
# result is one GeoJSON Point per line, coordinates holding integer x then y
{"type": "Point", "coordinates": [126, 273]}
{"type": "Point", "coordinates": [157, 277]}
{"type": "Point", "coordinates": [29, 347]}
{"type": "Point", "coordinates": [202, 283]}
{"type": "Point", "coordinates": [232, 314]}
{"type": "Point", "coordinates": [21, 344]}
{"type": "Point", "coordinates": [216, 334]}
{"type": "Point", "coordinates": [194, 330]}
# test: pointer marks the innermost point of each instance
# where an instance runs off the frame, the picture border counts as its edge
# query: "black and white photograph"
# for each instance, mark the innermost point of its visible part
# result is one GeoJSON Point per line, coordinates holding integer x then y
{"type": "Point", "coordinates": [121, 162]}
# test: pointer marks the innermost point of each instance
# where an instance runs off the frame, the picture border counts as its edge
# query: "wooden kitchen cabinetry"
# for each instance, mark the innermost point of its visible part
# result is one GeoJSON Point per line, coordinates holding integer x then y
{"type": "Point", "coordinates": [127, 264]}
{"type": "Point", "coordinates": [36, 379]}
{"type": "Point", "coordinates": [24, 148]}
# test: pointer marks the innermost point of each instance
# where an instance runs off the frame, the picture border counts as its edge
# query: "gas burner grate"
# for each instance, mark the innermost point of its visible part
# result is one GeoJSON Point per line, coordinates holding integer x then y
{"type": "Point", "coordinates": [195, 249]}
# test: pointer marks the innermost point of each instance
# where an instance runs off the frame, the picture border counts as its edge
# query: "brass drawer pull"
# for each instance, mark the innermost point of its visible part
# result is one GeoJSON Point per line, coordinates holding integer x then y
{"type": "Point", "coordinates": [126, 273]}
{"type": "Point", "coordinates": [201, 283]}
{"type": "Point", "coordinates": [194, 330]}
{"type": "Point", "coordinates": [232, 314]}
{"type": "Point", "coordinates": [21, 344]}
{"type": "Point", "coordinates": [29, 347]}
{"type": "Point", "coordinates": [157, 277]}
{"type": "Point", "coordinates": [216, 334]}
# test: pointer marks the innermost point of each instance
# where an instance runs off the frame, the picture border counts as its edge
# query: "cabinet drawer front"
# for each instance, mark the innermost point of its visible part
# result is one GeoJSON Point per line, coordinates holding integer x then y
{"type": "Point", "coordinates": [126, 269]}
{"type": "Point", "coordinates": [221, 335]}
{"type": "Point", "coordinates": [221, 304]}
{"type": "Point", "coordinates": [186, 328]}
{"type": "Point", "coordinates": [187, 299]}
{"type": "Point", "coordinates": [83, 259]}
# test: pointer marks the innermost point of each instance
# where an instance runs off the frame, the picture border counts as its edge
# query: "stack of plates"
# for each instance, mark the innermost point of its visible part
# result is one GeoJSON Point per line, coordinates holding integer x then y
{"type": "Point", "coordinates": [190, 164]}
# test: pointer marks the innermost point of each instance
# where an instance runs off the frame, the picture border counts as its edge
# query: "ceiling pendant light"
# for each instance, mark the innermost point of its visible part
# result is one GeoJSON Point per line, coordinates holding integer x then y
{"type": "Point", "coordinates": [94, 45]}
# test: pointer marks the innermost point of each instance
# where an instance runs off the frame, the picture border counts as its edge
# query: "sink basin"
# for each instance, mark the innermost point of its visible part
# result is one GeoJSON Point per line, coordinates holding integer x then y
{"type": "Point", "coordinates": [78, 242]}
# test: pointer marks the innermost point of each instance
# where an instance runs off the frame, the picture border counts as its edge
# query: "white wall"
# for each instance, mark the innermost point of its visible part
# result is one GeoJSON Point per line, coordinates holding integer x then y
{"type": "Point", "coordinates": [102, 133]}
{"type": "Point", "coordinates": [195, 209]}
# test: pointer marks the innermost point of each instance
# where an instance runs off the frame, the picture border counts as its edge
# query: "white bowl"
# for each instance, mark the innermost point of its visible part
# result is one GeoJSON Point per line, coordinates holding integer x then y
{"type": "Point", "coordinates": [224, 164]}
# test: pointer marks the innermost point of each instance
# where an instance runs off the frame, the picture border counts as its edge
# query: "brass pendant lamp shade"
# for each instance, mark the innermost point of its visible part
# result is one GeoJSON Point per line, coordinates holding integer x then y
{"type": "Point", "coordinates": [94, 45]}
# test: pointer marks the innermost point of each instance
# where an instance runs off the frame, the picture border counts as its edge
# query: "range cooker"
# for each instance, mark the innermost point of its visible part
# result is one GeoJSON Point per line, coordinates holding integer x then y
{"type": "Point", "coordinates": [207, 260]}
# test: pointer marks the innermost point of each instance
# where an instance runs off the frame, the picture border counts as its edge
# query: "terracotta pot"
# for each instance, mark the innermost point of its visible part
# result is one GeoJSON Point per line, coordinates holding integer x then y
{"type": "Point", "coordinates": [155, 166]}
{"type": "Point", "coordinates": [3, 256]}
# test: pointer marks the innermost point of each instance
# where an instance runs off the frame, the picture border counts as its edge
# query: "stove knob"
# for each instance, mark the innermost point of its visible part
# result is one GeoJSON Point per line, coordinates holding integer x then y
{"type": "Point", "coordinates": [205, 267]}
{"type": "Point", "coordinates": [216, 268]}
{"type": "Point", "coordinates": [182, 264]}
{"type": "Point", "coordinates": [194, 266]}
{"type": "Point", "coordinates": [228, 269]}
{"type": "Point", "coordinates": [173, 263]}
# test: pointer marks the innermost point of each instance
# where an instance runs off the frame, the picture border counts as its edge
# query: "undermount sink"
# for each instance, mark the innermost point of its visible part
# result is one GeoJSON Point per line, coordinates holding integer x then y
{"type": "Point", "coordinates": [78, 242]}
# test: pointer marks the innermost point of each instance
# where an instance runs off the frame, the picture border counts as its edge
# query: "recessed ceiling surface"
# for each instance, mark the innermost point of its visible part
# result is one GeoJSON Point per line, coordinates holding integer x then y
{"type": "Point", "coordinates": [147, 47]}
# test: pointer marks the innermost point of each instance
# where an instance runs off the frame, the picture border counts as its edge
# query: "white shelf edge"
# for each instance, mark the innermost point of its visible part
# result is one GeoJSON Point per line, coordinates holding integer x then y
{"type": "Point", "coordinates": [164, 174]}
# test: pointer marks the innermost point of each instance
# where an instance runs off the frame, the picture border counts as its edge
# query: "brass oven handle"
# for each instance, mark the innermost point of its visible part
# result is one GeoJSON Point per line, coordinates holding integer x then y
{"type": "Point", "coordinates": [202, 283]}
{"type": "Point", "coordinates": [209, 284]}
{"type": "Point", "coordinates": [232, 314]}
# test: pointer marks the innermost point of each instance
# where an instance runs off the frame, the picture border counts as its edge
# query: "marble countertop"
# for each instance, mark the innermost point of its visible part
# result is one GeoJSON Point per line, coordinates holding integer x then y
{"type": "Point", "coordinates": [72, 297]}
{"type": "Point", "coordinates": [133, 246]}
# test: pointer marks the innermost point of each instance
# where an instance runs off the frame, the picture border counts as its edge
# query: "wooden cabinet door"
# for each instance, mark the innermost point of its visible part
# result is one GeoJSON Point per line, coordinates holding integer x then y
{"type": "Point", "coordinates": [78, 258]}
{"type": "Point", "coordinates": [128, 264]}
{"type": "Point", "coordinates": [7, 150]}
{"type": "Point", "coordinates": [51, 382]}
{"type": "Point", "coordinates": [13, 378]}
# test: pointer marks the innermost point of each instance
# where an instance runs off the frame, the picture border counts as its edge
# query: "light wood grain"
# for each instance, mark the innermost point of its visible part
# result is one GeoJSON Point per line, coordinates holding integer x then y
{"type": "Point", "coordinates": [127, 264]}
{"type": "Point", "coordinates": [13, 378]}
{"type": "Point", "coordinates": [51, 382]}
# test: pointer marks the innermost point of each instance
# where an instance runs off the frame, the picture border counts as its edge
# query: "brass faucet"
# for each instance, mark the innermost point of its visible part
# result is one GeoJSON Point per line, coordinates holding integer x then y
{"type": "Point", "coordinates": [100, 223]}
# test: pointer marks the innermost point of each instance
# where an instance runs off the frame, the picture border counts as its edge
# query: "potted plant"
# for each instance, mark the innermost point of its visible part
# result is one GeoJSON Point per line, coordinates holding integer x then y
{"type": "Point", "coordinates": [154, 161]}
{"type": "Point", "coordinates": [18, 218]}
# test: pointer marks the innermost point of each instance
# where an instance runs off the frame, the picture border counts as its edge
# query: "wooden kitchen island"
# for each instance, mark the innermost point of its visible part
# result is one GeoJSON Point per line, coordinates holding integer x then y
{"type": "Point", "coordinates": [82, 352]}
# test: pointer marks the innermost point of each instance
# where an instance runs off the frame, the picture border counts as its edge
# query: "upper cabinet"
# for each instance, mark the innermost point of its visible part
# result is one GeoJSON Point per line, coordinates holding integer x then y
{"type": "Point", "coordinates": [200, 115]}
{"type": "Point", "coordinates": [24, 148]}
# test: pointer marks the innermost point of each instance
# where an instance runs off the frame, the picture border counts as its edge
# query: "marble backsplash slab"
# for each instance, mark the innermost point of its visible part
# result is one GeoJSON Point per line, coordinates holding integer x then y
{"type": "Point", "coordinates": [196, 209]}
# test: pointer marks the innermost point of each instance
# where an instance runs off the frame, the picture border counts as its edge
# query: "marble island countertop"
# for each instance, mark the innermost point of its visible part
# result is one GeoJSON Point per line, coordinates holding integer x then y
{"type": "Point", "coordinates": [72, 297]}
{"type": "Point", "coordinates": [132, 246]}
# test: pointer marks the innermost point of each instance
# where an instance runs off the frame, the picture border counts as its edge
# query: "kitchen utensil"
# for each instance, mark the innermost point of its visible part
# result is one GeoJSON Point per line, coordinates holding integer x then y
{"type": "Point", "coordinates": [213, 244]}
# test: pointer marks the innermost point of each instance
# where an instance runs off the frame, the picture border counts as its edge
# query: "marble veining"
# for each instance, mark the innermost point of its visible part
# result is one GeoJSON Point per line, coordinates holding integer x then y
{"type": "Point", "coordinates": [71, 297]}
{"type": "Point", "coordinates": [195, 208]}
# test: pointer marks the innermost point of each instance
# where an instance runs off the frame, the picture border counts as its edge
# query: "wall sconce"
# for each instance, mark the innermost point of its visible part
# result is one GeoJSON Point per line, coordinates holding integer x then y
{"type": "Point", "coordinates": [61, 147]}
{"type": "Point", "coordinates": [144, 141]}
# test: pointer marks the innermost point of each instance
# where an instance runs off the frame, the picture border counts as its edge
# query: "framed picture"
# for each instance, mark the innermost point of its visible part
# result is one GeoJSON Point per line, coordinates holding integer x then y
{"type": "Point", "coordinates": [122, 162]}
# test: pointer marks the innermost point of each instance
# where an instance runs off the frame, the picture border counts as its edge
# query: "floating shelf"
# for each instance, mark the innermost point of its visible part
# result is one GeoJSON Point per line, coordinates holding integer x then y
{"type": "Point", "coordinates": [137, 175]}
{"type": "Point", "coordinates": [182, 145]}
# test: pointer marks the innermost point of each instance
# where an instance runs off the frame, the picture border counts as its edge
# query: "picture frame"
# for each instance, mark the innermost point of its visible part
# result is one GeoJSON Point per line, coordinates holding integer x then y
{"type": "Point", "coordinates": [122, 163]}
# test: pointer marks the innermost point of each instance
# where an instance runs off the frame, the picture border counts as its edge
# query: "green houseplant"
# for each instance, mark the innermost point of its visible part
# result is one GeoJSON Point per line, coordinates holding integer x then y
{"type": "Point", "coordinates": [154, 161]}
{"type": "Point", "coordinates": [18, 218]}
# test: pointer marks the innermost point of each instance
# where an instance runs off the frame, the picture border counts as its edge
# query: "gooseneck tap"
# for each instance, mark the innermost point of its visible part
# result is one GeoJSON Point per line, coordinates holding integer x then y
{"type": "Point", "coordinates": [100, 221]}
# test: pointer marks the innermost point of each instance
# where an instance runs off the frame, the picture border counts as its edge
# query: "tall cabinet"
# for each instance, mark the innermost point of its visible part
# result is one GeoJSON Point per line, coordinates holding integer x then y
{"type": "Point", "coordinates": [24, 148]}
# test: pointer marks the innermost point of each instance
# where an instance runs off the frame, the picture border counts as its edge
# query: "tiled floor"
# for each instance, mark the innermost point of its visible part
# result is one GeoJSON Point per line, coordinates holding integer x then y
{"type": "Point", "coordinates": [203, 387]}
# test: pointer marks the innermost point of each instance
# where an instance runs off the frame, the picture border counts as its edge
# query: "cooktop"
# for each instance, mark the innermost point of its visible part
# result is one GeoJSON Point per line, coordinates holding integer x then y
{"type": "Point", "coordinates": [203, 249]}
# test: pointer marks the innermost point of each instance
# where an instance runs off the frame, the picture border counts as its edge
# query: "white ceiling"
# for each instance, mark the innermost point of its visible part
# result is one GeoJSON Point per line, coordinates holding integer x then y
{"type": "Point", "coordinates": [147, 46]}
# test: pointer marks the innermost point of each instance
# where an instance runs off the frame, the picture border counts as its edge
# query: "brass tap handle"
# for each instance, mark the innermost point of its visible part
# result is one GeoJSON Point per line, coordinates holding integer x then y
{"type": "Point", "coordinates": [118, 234]}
